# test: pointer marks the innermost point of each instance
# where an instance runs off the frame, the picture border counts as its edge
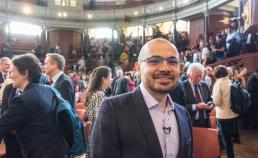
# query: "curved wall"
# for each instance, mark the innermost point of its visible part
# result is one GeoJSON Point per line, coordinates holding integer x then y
{"type": "Point", "coordinates": [78, 17]}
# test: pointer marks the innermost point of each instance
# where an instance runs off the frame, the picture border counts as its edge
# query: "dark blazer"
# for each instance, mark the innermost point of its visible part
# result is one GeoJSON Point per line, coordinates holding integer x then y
{"type": "Point", "coordinates": [121, 86]}
{"type": "Point", "coordinates": [30, 115]}
{"type": "Point", "coordinates": [12, 145]}
{"type": "Point", "coordinates": [124, 129]}
{"type": "Point", "coordinates": [113, 85]}
{"type": "Point", "coordinates": [1, 78]}
{"type": "Point", "coordinates": [177, 94]}
{"type": "Point", "coordinates": [190, 99]}
{"type": "Point", "coordinates": [65, 87]}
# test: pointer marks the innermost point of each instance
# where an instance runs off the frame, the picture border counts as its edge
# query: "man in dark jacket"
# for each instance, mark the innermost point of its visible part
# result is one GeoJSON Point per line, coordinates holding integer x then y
{"type": "Point", "coordinates": [30, 113]}
{"type": "Point", "coordinates": [54, 66]}
{"type": "Point", "coordinates": [146, 123]}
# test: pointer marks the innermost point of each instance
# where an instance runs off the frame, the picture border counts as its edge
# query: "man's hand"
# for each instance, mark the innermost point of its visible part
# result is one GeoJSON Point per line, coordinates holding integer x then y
{"type": "Point", "coordinates": [203, 106]}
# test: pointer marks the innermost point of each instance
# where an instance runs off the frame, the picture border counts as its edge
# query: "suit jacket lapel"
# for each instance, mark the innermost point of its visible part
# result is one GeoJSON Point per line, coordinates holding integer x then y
{"type": "Point", "coordinates": [56, 85]}
{"type": "Point", "coordinates": [202, 92]}
{"type": "Point", "coordinates": [189, 91]}
{"type": "Point", "coordinates": [180, 130]}
{"type": "Point", "coordinates": [146, 123]}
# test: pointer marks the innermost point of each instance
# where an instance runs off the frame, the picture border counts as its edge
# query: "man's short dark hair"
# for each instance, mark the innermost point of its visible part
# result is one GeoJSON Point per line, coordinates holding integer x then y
{"type": "Point", "coordinates": [220, 71]}
{"type": "Point", "coordinates": [58, 59]}
{"type": "Point", "coordinates": [28, 63]}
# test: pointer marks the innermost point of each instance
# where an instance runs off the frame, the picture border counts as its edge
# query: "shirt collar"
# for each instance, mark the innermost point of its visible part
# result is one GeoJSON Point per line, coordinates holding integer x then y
{"type": "Point", "coordinates": [55, 78]}
{"type": "Point", "coordinates": [192, 85]}
{"type": "Point", "coordinates": [151, 101]}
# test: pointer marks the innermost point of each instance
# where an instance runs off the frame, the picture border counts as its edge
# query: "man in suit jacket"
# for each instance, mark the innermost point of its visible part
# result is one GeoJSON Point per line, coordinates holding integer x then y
{"type": "Point", "coordinates": [146, 123]}
{"type": "Point", "coordinates": [121, 85]}
{"type": "Point", "coordinates": [30, 113]}
{"type": "Point", "coordinates": [5, 68]}
{"type": "Point", "coordinates": [177, 94]}
{"type": "Point", "coordinates": [197, 96]}
{"type": "Point", "coordinates": [54, 66]}
{"type": "Point", "coordinates": [119, 74]}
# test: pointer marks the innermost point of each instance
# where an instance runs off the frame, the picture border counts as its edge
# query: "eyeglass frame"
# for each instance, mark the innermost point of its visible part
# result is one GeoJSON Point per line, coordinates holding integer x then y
{"type": "Point", "coordinates": [160, 62]}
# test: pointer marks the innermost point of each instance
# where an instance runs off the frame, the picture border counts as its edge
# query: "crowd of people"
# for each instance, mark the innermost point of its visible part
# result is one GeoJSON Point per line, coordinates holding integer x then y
{"type": "Point", "coordinates": [150, 108]}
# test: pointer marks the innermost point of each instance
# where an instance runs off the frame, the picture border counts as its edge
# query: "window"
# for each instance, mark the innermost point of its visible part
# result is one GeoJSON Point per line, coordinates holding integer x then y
{"type": "Point", "coordinates": [24, 28]}
{"type": "Point", "coordinates": [70, 3]}
{"type": "Point", "coordinates": [102, 33]}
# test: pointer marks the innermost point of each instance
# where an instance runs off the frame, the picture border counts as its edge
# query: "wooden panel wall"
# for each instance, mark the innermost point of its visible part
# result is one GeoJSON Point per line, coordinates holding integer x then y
{"type": "Point", "coordinates": [65, 39]}
{"type": "Point", "coordinates": [214, 25]}
{"type": "Point", "coordinates": [196, 28]}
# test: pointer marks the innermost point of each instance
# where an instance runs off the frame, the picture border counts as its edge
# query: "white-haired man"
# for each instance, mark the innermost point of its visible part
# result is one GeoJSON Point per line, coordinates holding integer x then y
{"type": "Point", "coordinates": [197, 96]}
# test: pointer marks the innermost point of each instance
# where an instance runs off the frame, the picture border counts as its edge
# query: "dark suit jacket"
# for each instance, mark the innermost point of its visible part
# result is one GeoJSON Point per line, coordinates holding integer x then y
{"type": "Point", "coordinates": [177, 94]}
{"type": "Point", "coordinates": [190, 99]}
{"type": "Point", "coordinates": [121, 86]}
{"type": "Point", "coordinates": [31, 116]}
{"type": "Point", "coordinates": [1, 78]}
{"type": "Point", "coordinates": [124, 129]}
{"type": "Point", "coordinates": [113, 85]}
{"type": "Point", "coordinates": [13, 149]}
{"type": "Point", "coordinates": [65, 87]}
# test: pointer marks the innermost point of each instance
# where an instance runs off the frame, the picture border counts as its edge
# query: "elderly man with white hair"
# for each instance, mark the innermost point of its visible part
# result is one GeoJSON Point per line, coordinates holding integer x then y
{"type": "Point", "coordinates": [197, 96]}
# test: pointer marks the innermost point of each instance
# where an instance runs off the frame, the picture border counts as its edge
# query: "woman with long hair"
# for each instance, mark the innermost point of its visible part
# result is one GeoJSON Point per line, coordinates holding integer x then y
{"type": "Point", "coordinates": [95, 94]}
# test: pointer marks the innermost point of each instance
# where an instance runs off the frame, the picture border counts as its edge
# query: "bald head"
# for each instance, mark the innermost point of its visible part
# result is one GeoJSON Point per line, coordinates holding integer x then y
{"type": "Point", "coordinates": [155, 43]}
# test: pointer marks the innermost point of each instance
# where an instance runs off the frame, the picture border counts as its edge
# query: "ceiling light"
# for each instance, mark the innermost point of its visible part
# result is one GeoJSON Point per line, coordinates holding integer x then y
{"type": "Point", "coordinates": [185, 1]}
{"type": "Point", "coordinates": [59, 14]}
{"type": "Point", "coordinates": [26, 10]}
{"type": "Point", "coordinates": [135, 13]}
{"type": "Point", "coordinates": [160, 8]}
{"type": "Point", "coordinates": [64, 14]}
{"type": "Point", "coordinates": [89, 16]}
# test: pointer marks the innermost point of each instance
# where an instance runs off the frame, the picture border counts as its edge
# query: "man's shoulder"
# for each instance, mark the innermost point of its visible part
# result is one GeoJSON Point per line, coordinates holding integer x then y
{"type": "Point", "coordinates": [122, 101]}
{"type": "Point", "coordinates": [64, 79]}
{"type": "Point", "coordinates": [122, 98]}
{"type": "Point", "coordinates": [179, 107]}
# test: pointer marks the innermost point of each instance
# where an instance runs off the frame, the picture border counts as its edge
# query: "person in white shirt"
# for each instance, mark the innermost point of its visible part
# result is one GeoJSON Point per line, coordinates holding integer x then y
{"type": "Point", "coordinates": [204, 52]}
{"type": "Point", "coordinates": [225, 116]}
{"type": "Point", "coordinates": [197, 55]}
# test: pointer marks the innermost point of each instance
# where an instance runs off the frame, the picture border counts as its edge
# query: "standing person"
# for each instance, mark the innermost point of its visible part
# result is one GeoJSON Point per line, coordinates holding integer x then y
{"type": "Point", "coordinates": [197, 96]}
{"type": "Point", "coordinates": [205, 53]}
{"type": "Point", "coordinates": [5, 69]}
{"type": "Point", "coordinates": [131, 81]}
{"type": "Point", "coordinates": [225, 116]}
{"type": "Point", "coordinates": [233, 42]}
{"type": "Point", "coordinates": [219, 48]}
{"type": "Point", "coordinates": [54, 66]}
{"type": "Point", "coordinates": [146, 123]}
{"type": "Point", "coordinates": [119, 74]}
{"type": "Point", "coordinates": [30, 113]}
{"type": "Point", "coordinates": [13, 149]}
{"type": "Point", "coordinates": [100, 80]}
{"type": "Point", "coordinates": [95, 94]}
{"type": "Point", "coordinates": [252, 87]}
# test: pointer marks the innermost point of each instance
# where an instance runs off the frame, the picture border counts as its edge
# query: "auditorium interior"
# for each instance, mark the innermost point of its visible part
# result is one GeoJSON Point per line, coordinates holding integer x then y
{"type": "Point", "coordinates": [92, 33]}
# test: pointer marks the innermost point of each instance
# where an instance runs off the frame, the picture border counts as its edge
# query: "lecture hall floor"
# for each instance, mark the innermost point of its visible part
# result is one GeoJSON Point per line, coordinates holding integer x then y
{"type": "Point", "coordinates": [248, 147]}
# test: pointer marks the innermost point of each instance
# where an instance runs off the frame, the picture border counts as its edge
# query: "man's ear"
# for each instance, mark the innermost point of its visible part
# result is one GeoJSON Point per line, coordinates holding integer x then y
{"type": "Point", "coordinates": [26, 75]}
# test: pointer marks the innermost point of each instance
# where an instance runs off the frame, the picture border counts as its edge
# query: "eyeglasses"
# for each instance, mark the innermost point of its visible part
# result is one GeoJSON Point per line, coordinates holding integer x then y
{"type": "Point", "coordinates": [156, 60]}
